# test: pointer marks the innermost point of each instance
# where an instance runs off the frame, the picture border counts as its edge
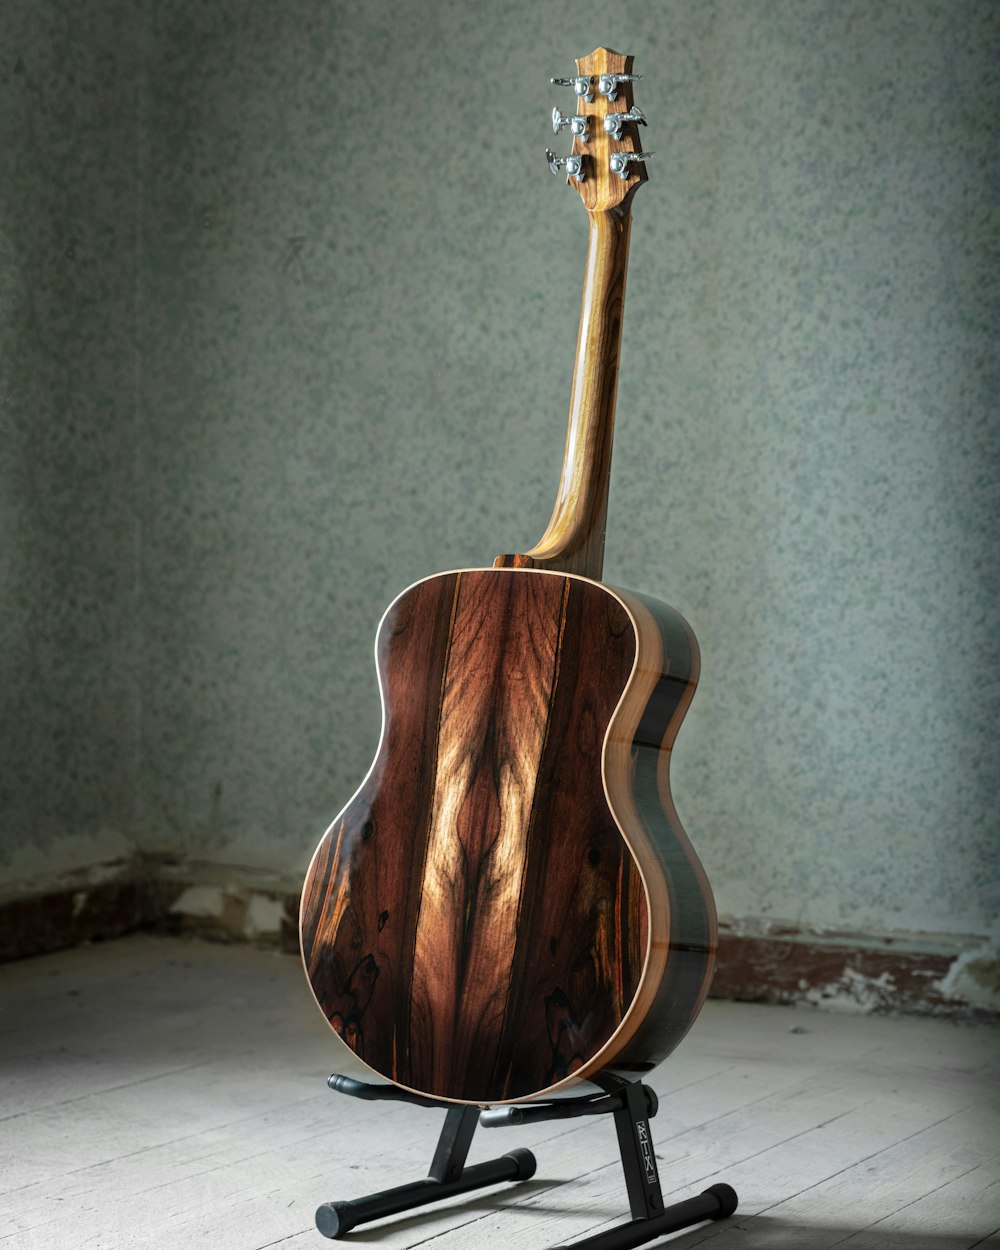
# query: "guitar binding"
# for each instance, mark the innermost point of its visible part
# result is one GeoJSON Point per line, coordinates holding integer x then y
{"type": "Point", "coordinates": [631, 1103]}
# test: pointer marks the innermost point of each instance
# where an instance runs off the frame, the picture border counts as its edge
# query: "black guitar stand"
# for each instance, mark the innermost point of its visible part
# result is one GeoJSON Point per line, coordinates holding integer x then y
{"type": "Point", "coordinates": [632, 1104]}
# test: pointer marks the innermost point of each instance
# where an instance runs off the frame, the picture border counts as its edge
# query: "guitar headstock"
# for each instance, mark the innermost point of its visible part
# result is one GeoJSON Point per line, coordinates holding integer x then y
{"type": "Point", "coordinates": [606, 163]}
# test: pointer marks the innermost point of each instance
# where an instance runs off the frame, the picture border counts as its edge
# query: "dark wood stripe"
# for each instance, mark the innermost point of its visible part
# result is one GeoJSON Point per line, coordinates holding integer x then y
{"type": "Point", "coordinates": [368, 871]}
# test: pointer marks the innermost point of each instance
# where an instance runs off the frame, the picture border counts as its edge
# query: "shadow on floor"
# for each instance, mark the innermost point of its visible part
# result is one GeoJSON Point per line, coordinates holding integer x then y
{"type": "Point", "coordinates": [771, 1232]}
{"type": "Point", "coordinates": [757, 1233]}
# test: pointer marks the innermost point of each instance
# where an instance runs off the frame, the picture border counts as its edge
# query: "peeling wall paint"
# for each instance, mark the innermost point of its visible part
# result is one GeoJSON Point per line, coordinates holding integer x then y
{"type": "Point", "coordinates": [231, 912]}
{"type": "Point", "coordinates": [852, 992]}
{"type": "Point", "coordinates": [847, 971]}
{"type": "Point", "coordinates": [974, 977]}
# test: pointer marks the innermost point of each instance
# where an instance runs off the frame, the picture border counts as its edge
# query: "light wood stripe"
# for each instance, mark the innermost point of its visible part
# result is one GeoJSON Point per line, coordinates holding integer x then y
{"type": "Point", "coordinates": [492, 730]}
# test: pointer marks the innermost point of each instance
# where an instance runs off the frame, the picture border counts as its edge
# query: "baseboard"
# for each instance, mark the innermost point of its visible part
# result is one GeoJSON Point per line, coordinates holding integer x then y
{"type": "Point", "coordinates": [71, 913]}
{"type": "Point", "coordinates": [924, 974]}
{"type": "Point", "coordinates": [155, 893]}
{"type": "Point", "coordinates": [851, 972]}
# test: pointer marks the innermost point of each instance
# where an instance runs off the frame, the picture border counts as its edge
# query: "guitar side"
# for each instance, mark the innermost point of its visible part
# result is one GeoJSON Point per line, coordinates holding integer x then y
{"type": "Point", "coordinates": [684, 933]}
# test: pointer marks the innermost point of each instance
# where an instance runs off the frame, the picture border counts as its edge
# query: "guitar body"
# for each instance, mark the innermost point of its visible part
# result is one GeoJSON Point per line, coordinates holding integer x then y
{"type": "Point", "coordinates": [509, 903]}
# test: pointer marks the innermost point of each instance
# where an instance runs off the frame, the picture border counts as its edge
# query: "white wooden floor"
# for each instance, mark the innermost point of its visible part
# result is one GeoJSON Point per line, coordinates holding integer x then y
{"type": "Point", "coordinates": [156, 1092]}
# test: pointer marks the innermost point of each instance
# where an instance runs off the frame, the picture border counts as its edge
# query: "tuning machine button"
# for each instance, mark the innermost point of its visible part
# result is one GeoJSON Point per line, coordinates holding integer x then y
{"type": "Point", "coordinates": [614, 122]}
{"type": "Point", "coordinates": [621, 161]}
{"type": "Point", "coordinates": [576, 124]}
{"type": "Point", "coordinates": [608, 84]}
{"type": "Point", "coordinates": [581, 85]}
{"type": "Point", "coordinates": [573, 165]}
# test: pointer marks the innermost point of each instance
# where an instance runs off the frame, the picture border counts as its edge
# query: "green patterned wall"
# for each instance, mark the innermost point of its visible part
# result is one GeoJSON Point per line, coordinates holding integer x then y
{"type": "Point", "coordinates": [68, 525]}
{"type": "Point", "coordinates": [357, 297]}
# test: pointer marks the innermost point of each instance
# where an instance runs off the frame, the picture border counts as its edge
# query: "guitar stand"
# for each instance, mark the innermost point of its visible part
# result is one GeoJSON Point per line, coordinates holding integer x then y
{"type": "Point", "coordinates": [632, 1104]}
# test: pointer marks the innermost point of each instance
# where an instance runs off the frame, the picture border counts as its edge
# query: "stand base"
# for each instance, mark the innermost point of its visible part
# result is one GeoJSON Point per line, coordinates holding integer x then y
{"type": "Point", "coordinates": [632, 1105]}
{"type": "Point", "coordinates": [716, 1203]}
{"type": "Point", "coordinates": [333, 1219]}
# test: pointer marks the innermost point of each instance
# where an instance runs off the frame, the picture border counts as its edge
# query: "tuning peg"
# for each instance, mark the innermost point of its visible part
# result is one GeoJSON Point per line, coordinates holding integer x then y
{"type": "Point", "coordinates": [614, 121]}
{"type": "Point", "coordinates": [580, 84]}
{"type": "Point", "coordinates": [621, 161]}
{"type": "Point", "coordinates": [607, 84]}
{"type": "Point", "coordinates": [577, 124]}
{"type": "Point", "coordinates": [572, 164]}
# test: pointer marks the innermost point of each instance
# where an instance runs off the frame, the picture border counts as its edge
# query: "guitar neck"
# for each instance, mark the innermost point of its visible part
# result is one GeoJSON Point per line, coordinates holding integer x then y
{"type": "Point", "coordinates": [606, 166]}
{"type": "Point", "coordinates": [574, 539]}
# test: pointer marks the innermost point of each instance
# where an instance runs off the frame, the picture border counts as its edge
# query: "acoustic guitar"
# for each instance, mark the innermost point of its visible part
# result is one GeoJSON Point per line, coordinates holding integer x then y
{"type": "Point", "coordinates": [509, 905]}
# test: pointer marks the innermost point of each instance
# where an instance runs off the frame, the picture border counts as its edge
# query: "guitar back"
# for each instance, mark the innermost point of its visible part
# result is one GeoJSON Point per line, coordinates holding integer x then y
{"type": "Point", "coordinates": [509, 903]}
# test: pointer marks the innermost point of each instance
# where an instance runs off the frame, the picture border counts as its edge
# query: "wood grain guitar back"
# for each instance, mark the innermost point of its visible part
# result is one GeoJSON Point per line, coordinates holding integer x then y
{"type": "Point", "coordinates": [509, 903]}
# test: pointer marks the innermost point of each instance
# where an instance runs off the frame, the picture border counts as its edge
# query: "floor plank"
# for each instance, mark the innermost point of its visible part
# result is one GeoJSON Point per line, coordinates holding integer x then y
{"type": "Point", "coordinates": [159, 1092]}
